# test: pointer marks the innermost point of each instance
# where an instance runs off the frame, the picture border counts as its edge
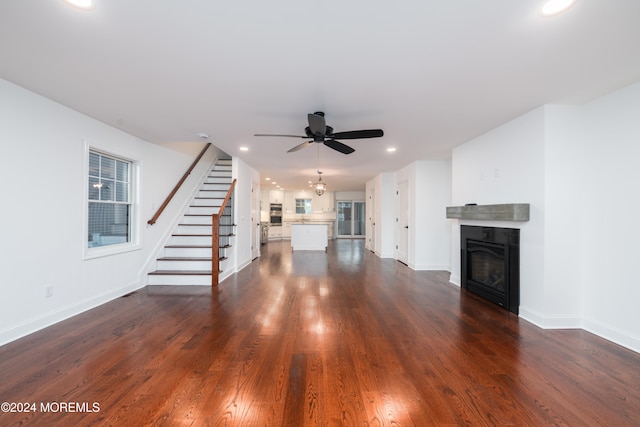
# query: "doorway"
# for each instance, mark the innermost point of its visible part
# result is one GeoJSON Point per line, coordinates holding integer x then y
{"type": "Point", "coordinates": [371, 224]}
{"type": "Point", "coordinates": [402, 223]}
{"type": "Point", "coordinates": [255, 220]}
{"type": "Point", "coordinates": [351, 218]}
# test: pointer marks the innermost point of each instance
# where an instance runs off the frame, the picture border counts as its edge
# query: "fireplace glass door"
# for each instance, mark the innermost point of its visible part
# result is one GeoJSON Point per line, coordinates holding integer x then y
{"type": "Point", "coordinates": [486, 265]}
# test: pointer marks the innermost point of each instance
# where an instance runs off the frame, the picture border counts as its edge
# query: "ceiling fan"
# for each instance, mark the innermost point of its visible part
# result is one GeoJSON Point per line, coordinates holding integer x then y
{"type": "Point", "coordinates": [321, 133]}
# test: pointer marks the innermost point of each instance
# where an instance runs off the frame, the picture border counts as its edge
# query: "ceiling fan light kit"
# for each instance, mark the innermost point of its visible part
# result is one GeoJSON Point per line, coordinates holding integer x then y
{"type": "Point", "coordinates": [319, 132]}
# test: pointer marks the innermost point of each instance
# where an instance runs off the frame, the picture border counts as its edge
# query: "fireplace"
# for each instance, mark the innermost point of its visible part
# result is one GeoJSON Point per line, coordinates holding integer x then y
{"type": "Point", "coordinates": [490, 264]}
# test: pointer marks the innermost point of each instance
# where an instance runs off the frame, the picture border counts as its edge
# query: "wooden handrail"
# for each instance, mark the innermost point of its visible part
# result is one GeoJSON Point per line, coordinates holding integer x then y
{"type": "Point", "coordinates": [227, 197]}
{"type": "Point", "coordinates": [177, 187]}
{"type": "Point", "coordinates": [215, 237]}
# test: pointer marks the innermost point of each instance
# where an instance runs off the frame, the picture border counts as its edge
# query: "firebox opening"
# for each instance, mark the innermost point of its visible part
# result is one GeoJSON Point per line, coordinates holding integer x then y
{"type": "Point", "coordinates": [486, 266]}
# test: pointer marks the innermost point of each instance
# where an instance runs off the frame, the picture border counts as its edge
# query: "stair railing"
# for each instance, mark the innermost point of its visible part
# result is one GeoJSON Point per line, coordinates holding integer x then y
{"type": "Point", "coordinates": [177, 187]}
{"type": "Point", "coordinates": [222, 229]}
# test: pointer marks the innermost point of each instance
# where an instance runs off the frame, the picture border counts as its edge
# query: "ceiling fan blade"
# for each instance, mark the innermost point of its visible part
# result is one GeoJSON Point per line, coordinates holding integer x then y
{"type": "Point", "coordinates": [339, 146]}
{"type": "Point", "coordinates": [317, 124]}
{"type": "Point", "coordinates": [271, 134]}
{"type": "Point", "coordinates": [358, 134]}
{"type": "Point", "coordinates": [300, 146]}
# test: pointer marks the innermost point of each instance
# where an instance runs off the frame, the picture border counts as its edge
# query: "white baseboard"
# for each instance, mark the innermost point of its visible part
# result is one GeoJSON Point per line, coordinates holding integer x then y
{"type": "Point", "coordinates": [226, 274]}
{"type": "Point", "coordinates": [454, 279]}
{"type": "Point", "coordinates": [430, 267]}
{"type": "Point", "coordinates": [610, 333]}
{"type": "Point", "coordinates": [384, 254]}
{"type": "Point", "coordinates": [33, 325]}
{"type": "Point", "coordinates": [550, 322]}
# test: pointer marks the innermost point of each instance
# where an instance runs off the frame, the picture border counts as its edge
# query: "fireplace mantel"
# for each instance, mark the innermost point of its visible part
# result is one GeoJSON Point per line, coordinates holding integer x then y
{"type": "Point", "coordinates": [503, 212]}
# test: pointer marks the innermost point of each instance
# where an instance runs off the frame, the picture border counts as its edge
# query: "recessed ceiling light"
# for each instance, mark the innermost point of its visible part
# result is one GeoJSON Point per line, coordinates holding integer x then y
{"type": "Point", "coordinates": [267, 179]}
{"type": "Point", "coordinates": [81, 4]}
{"type": "Point", "coordinates": [244, 148]}
{"type": "Point", "coordinates": [553, 7]}
{"type": "Point", "coordinates": [391, 149]}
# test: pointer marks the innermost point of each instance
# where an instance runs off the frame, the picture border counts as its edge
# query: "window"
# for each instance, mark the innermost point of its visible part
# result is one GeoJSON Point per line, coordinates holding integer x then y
{"type": "Point", "coordinates": [109, 218]}
{"type": "Point", "coordinates": [303, 206]}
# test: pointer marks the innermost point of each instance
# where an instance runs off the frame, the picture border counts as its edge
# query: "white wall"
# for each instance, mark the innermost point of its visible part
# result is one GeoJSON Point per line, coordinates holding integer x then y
{"type": "Point", "coordinates": [611, 182]}
{"type": "Point", "coordinates": [564, 171]}
{"type": "Point", "coordinates": [356, 196]}
{"type": "Point", "coordinates": [245, 176]}
{"type": "Point", "coordinates": [429, 195]}
{"type": "Point", "coordinates": [506, 165]}
{"type": "Point", "coordinates": [42, 211]}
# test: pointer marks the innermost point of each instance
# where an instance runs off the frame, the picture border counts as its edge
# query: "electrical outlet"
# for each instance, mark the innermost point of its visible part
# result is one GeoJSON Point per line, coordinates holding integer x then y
{"type": "Point", "coordinates": [48, 291]}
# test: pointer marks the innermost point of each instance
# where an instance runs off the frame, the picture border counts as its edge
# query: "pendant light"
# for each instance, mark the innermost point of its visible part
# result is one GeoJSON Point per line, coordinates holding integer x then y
{"type": "Point", "coordinates": [320, 186]}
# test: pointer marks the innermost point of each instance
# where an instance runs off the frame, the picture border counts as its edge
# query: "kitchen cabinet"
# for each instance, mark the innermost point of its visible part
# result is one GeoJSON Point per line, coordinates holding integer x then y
{"type": "Point", "coordinates": [286, 230]}
{"type": "Point", "coordinates": [309, 237]}
{"type": "Point", "coordinates": [323, 203]}
{"type": "Point", "coordinates": [275, 232]}
{"type": "Point", "coordinates": [289, 202]}
{"type": "Point", "coordinates": [276, 196]}
{"type": "Point", "coordinates": [330, 228]}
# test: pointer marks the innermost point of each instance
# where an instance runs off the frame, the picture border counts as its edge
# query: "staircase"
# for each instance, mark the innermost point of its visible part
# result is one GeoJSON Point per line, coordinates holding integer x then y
{"type": "Point", "coordinates": [187, 255]}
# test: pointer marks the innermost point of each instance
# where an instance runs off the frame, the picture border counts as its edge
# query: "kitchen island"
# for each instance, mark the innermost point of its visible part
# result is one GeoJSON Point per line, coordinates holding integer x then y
{"type": "Point", "coordinates": [309, 237]}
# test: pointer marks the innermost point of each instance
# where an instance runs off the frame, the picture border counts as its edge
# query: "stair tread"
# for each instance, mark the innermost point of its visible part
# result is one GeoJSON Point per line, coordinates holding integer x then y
{"type": "Point", "coordinates": [188, 246]}
{"type": "Point", "coordinates": [181, 273]}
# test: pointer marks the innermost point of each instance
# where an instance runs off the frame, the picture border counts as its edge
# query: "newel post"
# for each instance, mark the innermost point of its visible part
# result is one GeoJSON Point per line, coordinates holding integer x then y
{"type": "Point", "coordinates": [215, 249]}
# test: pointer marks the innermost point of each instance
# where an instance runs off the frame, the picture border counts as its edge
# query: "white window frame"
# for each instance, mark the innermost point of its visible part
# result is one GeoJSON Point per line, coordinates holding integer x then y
{"type": "Point", "coordinates": [134, 217]}
{"type": "Point", "coordinates": [306, 205]}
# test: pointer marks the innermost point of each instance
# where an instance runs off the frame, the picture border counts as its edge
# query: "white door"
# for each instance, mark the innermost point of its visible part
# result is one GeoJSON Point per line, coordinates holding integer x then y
{"type": "Point", "coordinates": [255, 220]}
{"type": "Point", "coordinates": [371, 224]}
{"type": "Point", "coordinates": [402, 223]}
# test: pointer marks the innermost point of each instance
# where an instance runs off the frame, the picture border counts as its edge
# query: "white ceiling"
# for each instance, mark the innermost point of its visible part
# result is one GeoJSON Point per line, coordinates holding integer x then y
{"type": "Point", "coordinates": [431, 74]}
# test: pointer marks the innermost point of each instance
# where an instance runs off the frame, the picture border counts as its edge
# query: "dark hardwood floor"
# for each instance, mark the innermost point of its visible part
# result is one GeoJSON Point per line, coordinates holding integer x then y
{"type": "Point", "coordinates": [311, 338]}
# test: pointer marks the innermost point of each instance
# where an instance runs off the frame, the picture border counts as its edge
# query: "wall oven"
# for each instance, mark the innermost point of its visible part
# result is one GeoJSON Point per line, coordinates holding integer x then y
{"type": "Point", "coordinates": [275, 214]}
